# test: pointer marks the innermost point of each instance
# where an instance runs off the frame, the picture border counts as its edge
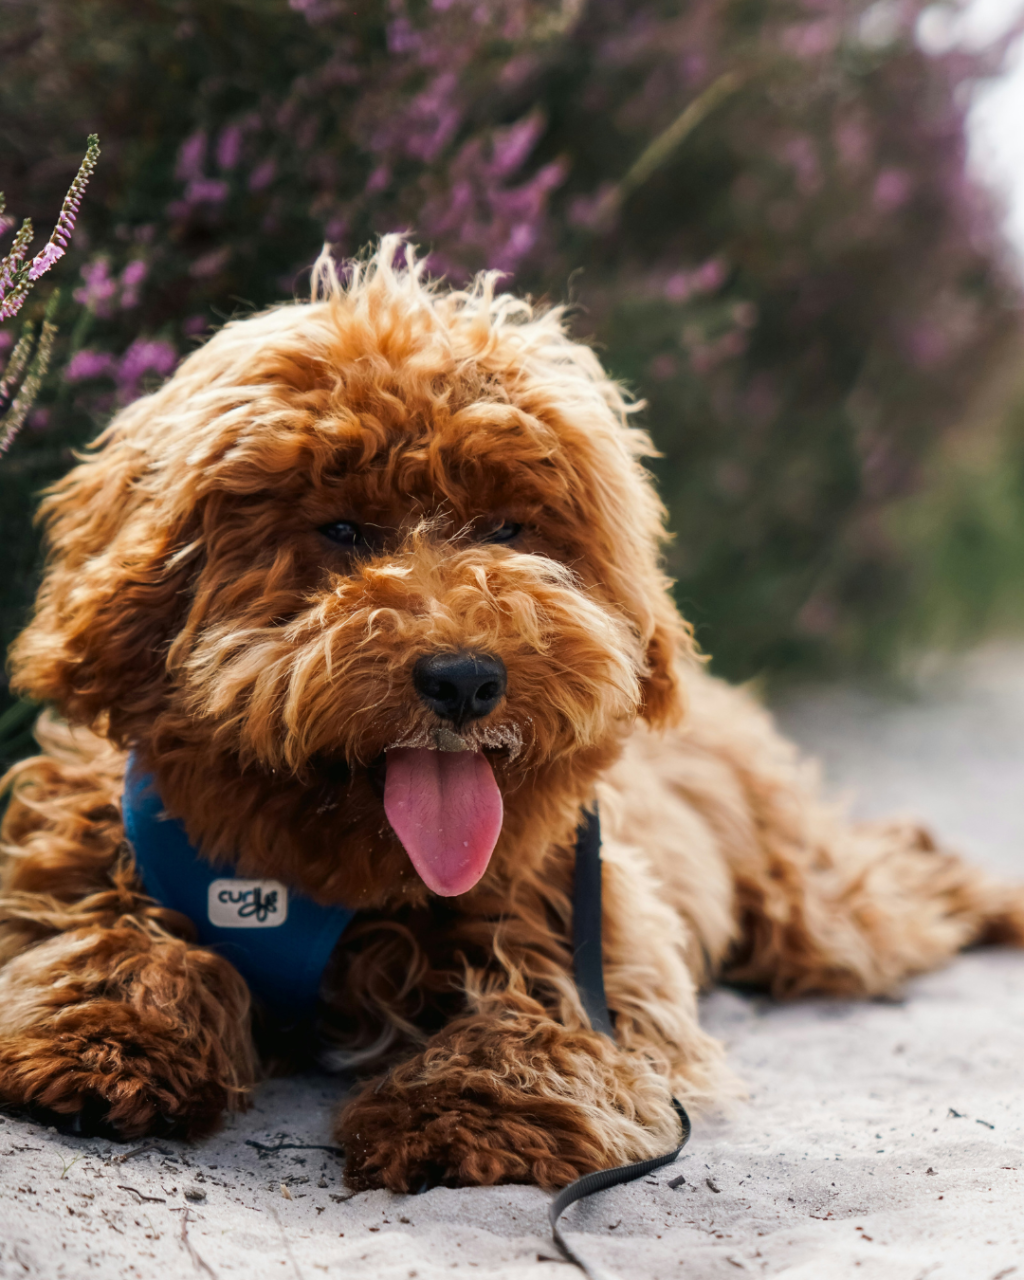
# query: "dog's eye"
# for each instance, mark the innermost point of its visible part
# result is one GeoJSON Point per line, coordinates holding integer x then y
{"type": "Point", "coordinates": [505, 532]}
{"type": "Point", "coordinates": [345, 534]}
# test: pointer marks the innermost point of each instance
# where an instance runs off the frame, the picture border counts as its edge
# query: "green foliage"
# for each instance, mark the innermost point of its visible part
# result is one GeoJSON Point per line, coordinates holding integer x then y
{"type": "Point", "coordinates": [964, 539]}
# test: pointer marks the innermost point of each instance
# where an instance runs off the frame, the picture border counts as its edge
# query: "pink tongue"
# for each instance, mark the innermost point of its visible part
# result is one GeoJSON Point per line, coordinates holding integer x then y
{"type": "Point", "coordinates": [445, 807]}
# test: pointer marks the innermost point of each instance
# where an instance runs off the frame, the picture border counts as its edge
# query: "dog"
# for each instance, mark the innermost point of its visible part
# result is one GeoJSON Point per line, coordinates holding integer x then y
{"type": "Point", "coordinates": [369, 594]}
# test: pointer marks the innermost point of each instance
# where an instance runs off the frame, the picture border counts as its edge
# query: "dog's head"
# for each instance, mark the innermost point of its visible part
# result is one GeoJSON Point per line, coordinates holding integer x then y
{"type": "Point", "coordinates": [376, 571]}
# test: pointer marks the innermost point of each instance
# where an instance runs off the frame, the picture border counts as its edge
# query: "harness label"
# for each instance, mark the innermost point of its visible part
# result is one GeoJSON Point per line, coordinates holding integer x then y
{"type": "Point", "coordinates": [247, 904]}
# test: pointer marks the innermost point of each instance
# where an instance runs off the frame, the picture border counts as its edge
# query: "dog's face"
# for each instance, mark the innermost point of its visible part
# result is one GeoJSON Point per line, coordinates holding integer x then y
{"type": "Point", "coordinates": [371, 584]}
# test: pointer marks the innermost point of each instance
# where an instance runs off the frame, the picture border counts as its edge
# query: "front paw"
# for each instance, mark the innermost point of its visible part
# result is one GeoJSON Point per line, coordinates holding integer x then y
{"type": "Point", "coordinates": [104, 1068]}
{"type": "Point", "coordinates": [410, 1138]}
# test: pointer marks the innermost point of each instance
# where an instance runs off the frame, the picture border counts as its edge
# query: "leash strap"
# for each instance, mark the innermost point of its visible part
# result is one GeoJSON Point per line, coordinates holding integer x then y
{"type": "Point", "coordinates": [588, 971]}
{"type": "Point", "coordinates": [587, 962]}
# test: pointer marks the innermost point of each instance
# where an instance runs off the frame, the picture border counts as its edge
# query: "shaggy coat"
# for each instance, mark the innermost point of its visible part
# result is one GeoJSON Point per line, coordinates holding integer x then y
{"type": "Point", "coordinates": [243, 575]}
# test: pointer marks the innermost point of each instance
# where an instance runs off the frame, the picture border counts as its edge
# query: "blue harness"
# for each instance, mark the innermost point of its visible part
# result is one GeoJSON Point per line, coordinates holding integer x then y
{"type": "Point", "coordinates": [278, 939]}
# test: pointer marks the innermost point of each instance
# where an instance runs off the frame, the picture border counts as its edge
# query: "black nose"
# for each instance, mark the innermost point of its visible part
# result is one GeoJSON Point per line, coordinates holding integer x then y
{"type": "Point", "coordinates": [460, 686]}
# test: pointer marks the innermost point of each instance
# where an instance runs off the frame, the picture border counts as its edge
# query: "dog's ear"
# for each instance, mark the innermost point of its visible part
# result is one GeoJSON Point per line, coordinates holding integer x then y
{"type": "Point", "coordinates": [670, 645]}
{"type": "Point", "coordinates": [621, 524]}
{"type": "Point", "coordinates": [115, 583]}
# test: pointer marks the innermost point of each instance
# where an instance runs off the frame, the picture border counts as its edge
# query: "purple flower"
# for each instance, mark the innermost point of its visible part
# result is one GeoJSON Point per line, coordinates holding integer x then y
{"type": "Point", "coordinates": [229, 147]}
{"type": "Point", "coordinates": [378, 179]}
{"type": "Point", "coordinates": [210, 264]}
{"type": "Point", "coordinates": [98, 288]}
{"type": "Point", "coordinates": [191, 157]}
{"type": "Point", "coordinates": [892, 189]}
{"type": "Point", "coordinates": [44, 260]}
{"type": "Point", "coordinates": [512, 145]}
{"type": "Point", "coordinates": [16, 278]}
{"type": "Point", "coordinates": [263, 175]}
{"type": "Point", "coordinates": [86, 365]}
{"type": "Point", "coordinates": [206, 191]}
{"type": "Point", "coordinates": [134, 273]}
{"type": "Point", "coordinates": [811, 39]}
{"type": "Point", "coordinates": [710, 276]}
{"type": "Point", "coordinates": [132, 278]}
{"type": "Point", "coordinates": [588, 212]}
{"type": "Point", "coordinates": [144, 356]}
{"type": "Point", "coordinates": [678, 286]}
{"type": "Point", "coordinates": [316, 11]}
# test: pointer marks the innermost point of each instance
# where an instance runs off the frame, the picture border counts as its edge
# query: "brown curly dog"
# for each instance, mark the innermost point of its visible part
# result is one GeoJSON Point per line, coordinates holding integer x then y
{"type": "Point", "coordinates": [371, 588]}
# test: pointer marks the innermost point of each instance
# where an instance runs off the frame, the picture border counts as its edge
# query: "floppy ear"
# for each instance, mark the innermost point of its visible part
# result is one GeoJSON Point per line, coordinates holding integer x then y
{"type": "Point", "coordinates": [670, 644]}
{"type": "Point", "coordinates": [114, 586]}
{"type": "Point", "coordinates": [615, 520]}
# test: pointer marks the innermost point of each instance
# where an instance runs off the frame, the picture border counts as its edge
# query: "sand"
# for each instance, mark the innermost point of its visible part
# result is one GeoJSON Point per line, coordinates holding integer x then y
{"type": "Point", "coordinates": [879, 1140]}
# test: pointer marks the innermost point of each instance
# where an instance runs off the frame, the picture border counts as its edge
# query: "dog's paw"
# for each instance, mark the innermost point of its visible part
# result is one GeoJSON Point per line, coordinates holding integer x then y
{"type": "Point", "coordinates": [411, 1139]}
{"type": "Point", "coordinates": [107, 1070]}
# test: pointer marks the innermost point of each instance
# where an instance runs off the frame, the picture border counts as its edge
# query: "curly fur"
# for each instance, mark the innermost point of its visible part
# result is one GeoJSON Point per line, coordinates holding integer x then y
{"type": "Point", "coordinates": [193, 611]}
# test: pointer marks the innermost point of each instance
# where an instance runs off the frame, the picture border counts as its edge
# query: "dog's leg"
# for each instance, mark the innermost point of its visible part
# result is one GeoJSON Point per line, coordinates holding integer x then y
{"type": "Point", "coordinates": [865, 908]}
{"type": "Point", "coordinates": [106, 1017]}
{"type": "Point", "coordinates": [519, 1088]}
{"type": "Point", "coordinates": [818, 904]}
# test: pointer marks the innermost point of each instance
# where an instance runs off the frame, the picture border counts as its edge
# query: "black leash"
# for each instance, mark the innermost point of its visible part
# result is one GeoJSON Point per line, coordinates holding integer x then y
{"type": "Point", "coordinates": [589, 973]}
{"type": "Point", "coordinates": [587, 961]}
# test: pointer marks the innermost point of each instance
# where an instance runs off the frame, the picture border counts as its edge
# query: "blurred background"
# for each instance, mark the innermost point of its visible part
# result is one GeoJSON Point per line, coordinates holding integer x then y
{"type": "Point", "coordinates": [791, 226]}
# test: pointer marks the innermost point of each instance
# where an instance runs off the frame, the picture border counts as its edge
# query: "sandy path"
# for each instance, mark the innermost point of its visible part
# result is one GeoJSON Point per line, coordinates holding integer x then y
{"type": "Point", "coordinates": [881, 1140]}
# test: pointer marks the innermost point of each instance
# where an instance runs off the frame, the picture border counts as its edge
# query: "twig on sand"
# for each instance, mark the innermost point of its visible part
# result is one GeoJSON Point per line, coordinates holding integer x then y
{"type": "Point", "coordinates": [198, 1261]}
{"type": "Point", "coordinates": [142, 1199]}
{"type": "Point", "coordinates": [265, 1150]}
{"type": "Point", "coordinates": [141, 1151]}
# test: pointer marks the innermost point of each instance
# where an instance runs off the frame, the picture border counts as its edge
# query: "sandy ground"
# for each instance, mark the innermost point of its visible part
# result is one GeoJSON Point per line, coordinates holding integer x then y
{"type": "Point", "coordinates": [880, 1140]}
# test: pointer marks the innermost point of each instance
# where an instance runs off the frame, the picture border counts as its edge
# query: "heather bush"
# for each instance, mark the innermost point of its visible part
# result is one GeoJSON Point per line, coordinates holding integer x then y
{"type": "Point", "coordinates": [29, 360]}
{"type": "Point", "coordinates": [759, 211]}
